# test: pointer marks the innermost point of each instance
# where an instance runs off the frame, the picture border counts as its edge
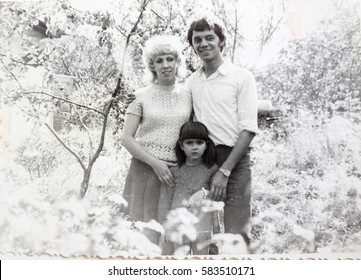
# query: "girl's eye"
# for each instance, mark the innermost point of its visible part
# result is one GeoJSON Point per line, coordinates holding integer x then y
{"type": "Point", "coordinates": [200, 142]}
{"type": "Point", "coordinates": [170, 59]}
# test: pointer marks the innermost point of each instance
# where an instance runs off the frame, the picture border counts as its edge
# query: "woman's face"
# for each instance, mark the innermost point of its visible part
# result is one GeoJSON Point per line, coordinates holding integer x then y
{"type": "Point", "coordinates": [165, 67]}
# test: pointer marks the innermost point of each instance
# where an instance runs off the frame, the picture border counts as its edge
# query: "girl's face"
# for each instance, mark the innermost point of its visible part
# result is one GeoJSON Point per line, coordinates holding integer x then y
{"type": "Point", "coordinates": [194, 150]}
{"type": "Point", "coordinates": [165, 67]}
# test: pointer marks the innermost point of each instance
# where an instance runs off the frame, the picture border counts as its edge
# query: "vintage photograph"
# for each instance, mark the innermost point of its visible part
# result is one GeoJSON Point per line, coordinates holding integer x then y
{"type": "Point", "coordinates": [172, 129]}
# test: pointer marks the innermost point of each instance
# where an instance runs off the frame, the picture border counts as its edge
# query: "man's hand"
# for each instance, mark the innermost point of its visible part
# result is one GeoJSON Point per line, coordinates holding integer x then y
{"type": "Point", "coordinates": [218, 187]}
{"type": "Point", "coordinates": [129, 99]}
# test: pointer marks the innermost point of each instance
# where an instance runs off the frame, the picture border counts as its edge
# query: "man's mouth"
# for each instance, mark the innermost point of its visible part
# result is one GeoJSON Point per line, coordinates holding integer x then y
{"type": "Point", "coordinates": [204, 51]}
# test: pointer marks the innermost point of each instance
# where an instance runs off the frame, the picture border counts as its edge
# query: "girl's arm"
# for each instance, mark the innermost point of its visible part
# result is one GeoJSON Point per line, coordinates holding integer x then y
{"type": "Point", "coordinates": [204, 193]}
{"type": "Point", "coordinates": [160, 167]}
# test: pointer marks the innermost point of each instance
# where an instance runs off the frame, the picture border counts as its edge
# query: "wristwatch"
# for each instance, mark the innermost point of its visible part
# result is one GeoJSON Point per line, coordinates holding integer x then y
{"type": "Point", "coordinates": [225, 172]}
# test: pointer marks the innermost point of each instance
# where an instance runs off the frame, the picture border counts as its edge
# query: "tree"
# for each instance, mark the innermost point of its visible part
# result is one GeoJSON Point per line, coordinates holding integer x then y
{"type": "Point", "coordinates": [320, 73]}
{"type": "Point", "coordinates": [79, 45]}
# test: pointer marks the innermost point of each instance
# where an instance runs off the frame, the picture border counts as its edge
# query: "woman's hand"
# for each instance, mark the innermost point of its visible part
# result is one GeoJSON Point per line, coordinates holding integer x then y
{"type": "Point", "coordinates": [161, 169]}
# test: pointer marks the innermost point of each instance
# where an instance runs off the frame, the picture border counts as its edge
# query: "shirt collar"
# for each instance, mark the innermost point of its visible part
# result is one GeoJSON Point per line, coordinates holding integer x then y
{"type": "Point", "coordinates": [223, 69]}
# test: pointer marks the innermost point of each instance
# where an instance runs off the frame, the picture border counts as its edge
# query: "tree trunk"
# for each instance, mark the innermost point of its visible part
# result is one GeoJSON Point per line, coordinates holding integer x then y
{"type": "Point", "coordinates": [85, 182]}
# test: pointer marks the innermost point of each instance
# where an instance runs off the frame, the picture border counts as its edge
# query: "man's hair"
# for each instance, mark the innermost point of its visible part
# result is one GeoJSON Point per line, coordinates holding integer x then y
{"type": "Point", "coordinates": [161, 45]}
{"type": "Point", "coordinates": [195, 130]}
{"type": "Point", "coordinates": [204, 24]}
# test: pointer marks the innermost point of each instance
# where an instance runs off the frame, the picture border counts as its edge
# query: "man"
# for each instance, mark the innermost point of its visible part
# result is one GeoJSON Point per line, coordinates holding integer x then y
{"type": "Point", "coordinates": [225, 100]}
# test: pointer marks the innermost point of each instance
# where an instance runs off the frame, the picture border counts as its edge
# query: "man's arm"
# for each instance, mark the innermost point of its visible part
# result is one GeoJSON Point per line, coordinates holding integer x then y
{"type": "Point", "coordinates": [219, 182]}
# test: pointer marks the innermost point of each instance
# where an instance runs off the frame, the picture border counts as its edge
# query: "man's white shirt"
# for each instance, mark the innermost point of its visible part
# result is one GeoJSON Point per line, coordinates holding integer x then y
{"type": "Point", "coordinates": [226, 102]}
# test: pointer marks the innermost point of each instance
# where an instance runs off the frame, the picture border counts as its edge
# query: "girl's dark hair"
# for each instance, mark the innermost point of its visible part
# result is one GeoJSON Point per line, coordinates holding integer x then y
{"type": "Point", "coordinates": [203, 25]}
{"type": "Point", "coordinates": [195, 130]}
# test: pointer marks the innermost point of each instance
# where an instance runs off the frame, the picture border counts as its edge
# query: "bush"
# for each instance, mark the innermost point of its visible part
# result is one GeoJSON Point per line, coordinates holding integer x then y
{"type": "Point", "coordinates": [39, 157]}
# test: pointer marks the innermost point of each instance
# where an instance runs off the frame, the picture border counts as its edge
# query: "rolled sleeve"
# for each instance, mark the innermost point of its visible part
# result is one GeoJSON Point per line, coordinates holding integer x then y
{"type": "Point", "coordinates": [248, 105]}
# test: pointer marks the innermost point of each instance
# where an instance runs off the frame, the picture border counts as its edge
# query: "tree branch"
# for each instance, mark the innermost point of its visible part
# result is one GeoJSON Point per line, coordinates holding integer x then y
{"type": "Point", "coordinates": [162, 18]}
{"type": "Point", "coordinates": [87, 130]}
{"type": "Point", "coordinates": [65, 145]}
{"type": "Point", "coordinates": [131, 33]}
{"type": "Point", "coordinates": [12, 74]}
{"type": "Point", "coordinates": [65, 100]}
{"type": "Point", "coordinates": [22, 62]}
{"type": "Point", "coordinates": [120, 31]}
{"type": "Point", "coordinates": [102, 137]}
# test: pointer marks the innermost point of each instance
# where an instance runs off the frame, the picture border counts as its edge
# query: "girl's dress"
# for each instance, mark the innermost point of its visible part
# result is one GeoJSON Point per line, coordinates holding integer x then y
{"type": "Point", "coordinates": [188, 180]}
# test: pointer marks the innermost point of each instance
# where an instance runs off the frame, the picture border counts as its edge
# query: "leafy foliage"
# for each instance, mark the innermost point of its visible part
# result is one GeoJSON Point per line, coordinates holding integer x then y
{"type": "Point", "coordinates": [38, 157]}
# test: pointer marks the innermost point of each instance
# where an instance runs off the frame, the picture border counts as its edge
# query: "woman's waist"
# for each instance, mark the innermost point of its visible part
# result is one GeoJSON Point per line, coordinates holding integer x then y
{"type": "Point", "coordinates": [159, 150]}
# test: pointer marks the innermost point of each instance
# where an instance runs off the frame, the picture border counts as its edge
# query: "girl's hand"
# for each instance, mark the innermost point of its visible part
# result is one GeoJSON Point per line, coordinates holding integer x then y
{"type": "Point", "coordinates": [197, 198]}
{"type": "Point", "coordinates": [161, 169]}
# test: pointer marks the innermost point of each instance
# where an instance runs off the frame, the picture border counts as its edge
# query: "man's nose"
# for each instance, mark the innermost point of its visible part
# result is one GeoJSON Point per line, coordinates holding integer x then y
{"type": "Point", "coordinates": [203, 42]}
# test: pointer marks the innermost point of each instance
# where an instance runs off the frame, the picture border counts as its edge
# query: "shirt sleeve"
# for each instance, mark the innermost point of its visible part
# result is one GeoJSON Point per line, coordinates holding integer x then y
{"type": "Point", "coordinates": [136, 107]}
{"type": "Point", "coordinates": [248, 105]}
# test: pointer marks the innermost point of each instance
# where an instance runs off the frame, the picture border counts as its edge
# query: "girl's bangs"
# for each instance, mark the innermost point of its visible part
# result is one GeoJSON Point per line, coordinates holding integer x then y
{"type": "Point", "coordinates": [193, 130]}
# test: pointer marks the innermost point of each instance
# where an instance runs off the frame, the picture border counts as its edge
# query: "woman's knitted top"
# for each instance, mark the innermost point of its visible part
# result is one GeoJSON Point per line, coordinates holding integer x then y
{"type": "Point", "coordinates": [163, 110]}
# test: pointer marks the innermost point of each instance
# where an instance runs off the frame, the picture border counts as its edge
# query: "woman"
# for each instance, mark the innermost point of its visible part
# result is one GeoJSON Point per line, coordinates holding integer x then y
{"type": "Point", "coordinates": [151, 128]}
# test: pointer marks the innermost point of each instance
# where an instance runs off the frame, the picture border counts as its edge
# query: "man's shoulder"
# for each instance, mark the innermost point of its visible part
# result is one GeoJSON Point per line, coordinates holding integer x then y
{"type": "Point", "coordinates": [195, 74]}
{"type": "Point", "coordinates": [234, 68]}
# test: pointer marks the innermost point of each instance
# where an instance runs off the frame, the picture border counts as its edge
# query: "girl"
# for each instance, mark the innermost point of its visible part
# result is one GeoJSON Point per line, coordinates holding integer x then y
{"type": "Point", "coordinates": [195, 153]}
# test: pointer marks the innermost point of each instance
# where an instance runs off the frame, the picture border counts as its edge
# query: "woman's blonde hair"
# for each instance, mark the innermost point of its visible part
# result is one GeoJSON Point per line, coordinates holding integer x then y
{"type": "Point", "coordinates": [161, 45]}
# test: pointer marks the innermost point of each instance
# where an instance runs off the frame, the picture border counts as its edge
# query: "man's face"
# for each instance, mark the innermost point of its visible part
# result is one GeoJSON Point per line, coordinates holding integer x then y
{"type": "Point", "coordinates": [206, 45]}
